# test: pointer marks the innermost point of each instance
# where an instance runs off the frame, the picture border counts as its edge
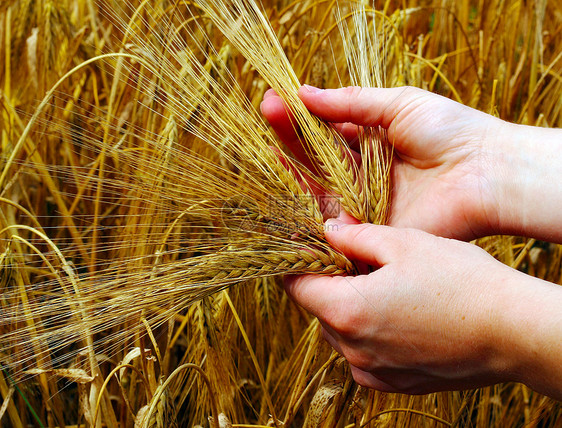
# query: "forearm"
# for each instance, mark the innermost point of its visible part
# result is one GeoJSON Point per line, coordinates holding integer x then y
{"type": "Point", "coordinates": [532, 318]}
{"type": "Point", "coordinates": [528, 176]}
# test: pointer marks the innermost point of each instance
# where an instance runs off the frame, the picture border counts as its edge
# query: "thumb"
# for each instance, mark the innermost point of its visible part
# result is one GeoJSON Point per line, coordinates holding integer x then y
{"type": "Point", "coordinates": [360, 106]}
{"type": "Point", "coordinates": [368, 243]}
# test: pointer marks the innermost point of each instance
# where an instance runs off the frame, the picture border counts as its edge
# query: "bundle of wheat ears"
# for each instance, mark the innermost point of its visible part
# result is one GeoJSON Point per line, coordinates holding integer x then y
{"type": "Point", "coordinates": [148, 213]}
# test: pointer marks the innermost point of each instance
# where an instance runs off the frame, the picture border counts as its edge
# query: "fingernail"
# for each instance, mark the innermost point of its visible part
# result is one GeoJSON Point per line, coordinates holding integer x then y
{"type": "Point", "coordinates": [333, 225]}
{"type": "Point", "coordinates": [312, 89]}
{"type": "Point", "coordinates": [264, 102]}
{"type": "Point", "coordinates": [269, 93]}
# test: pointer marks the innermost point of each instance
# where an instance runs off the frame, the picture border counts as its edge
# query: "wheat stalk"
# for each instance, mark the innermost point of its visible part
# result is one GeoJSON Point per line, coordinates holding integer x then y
{"type": "Point", "coordinates": [150, 171]}
{"type": "Point", "coordinates": [246, 240]}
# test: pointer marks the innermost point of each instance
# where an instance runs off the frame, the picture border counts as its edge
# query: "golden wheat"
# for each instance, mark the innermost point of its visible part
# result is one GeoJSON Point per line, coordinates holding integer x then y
{"type": "Point", "coordinates": [147, 182]}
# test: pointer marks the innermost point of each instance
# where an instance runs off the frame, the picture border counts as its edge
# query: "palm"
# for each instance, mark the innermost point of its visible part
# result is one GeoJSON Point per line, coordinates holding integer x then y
{"type": "Point", "coordinates": [432, 200]}
{"type": "Point", "coordinates": [438, 170]}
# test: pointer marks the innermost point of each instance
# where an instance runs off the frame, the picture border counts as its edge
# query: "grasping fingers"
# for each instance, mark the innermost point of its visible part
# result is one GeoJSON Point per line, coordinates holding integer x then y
{"type": "Point", "coordinates": [286, 127]}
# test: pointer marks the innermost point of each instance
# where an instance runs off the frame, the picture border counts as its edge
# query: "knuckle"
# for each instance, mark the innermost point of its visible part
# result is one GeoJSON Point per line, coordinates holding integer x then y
{"type": "Point", "coordinates": [353, 95]}
{"type": "Point", "coordinates": [402, 381]}
{"type": "Point", "coordinates": [367, 380]}
{"type": "Point", "coordinates": [409, 93]}
{"type": "Point", "coordinates": [359, 359]}
{"type": "Point", "coordinates": [362, 380]}
{"type": "Point", "coordinates": [347, 323]}
{"type": "Point", "coordinates": [344, 327]}
{"type": "Point", "coordinates": [359, 232]}
{"type": "Point", "coordinates": [411, 240]}
{"type": "Point", "coordinates": [352, 92]}
{"type": "Point", "coordinates": [406, 99]}
{"type": "Point", "coordinates": [411, 90]}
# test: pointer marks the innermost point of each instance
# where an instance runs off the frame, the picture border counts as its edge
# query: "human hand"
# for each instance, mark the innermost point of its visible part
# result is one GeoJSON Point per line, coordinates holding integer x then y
{"type": "Point", "coordinates": [437, 314]}
{"type": "Point", "coordinates": [444, 173]}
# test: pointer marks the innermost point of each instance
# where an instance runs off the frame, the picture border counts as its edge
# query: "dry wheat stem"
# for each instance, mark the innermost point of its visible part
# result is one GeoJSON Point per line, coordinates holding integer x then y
{"type": "Point", "coordinates": [148, 175]}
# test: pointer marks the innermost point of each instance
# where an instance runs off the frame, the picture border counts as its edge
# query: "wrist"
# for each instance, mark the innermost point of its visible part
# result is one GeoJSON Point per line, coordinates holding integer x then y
{"type": "Point", "coordinates": [525, 171]}
{"type": "Point", "coordinates": [490, 202]}
{"type": "Point", "coordinates": [529, 334]}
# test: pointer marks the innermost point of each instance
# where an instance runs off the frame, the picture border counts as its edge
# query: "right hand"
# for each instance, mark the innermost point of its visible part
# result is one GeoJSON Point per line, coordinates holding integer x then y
{"type": "Point", "coordinates": [434, 314]}
{"type": "Point", "coordinates": [444, 174]}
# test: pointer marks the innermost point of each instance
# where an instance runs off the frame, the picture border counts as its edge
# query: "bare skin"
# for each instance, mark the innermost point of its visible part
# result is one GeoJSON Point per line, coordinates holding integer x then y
{"type": "Point", "coordinates": [439, 314]}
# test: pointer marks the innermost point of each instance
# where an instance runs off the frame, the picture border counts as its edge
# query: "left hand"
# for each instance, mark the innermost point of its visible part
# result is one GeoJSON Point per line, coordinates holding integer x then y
{"type": "Point", "coordinates": [447, 172]}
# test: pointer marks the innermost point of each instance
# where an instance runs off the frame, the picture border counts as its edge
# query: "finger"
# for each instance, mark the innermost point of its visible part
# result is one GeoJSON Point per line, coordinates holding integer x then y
{"type": "Point", "coordinates": [325, 297]}
{"type": "Point", "coordinates": [366, 379]}
{"type": "Point", "coordinates": [387, 381]}
{"type": "Point", "coordinates": [345, 218]}
{"type": "Point", "coordinates": [285, 126]}
{"type": "Point", "coordinates": [361, 106]}
{"type": "Point", "coordinates": [372, 244]}
{"type": "Point", "coordinates": [350, 133]}
{"type": "Point", "coordinates": [270, 93]}
{"type": "Point", "coordinates": [330, 337]}
{"type": "Point", "coordinates": [362, 267]}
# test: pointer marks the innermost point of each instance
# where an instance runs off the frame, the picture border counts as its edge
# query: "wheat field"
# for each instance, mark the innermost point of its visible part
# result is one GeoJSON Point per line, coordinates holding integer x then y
{"type": "Point", "coordinates": [148, 213]}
